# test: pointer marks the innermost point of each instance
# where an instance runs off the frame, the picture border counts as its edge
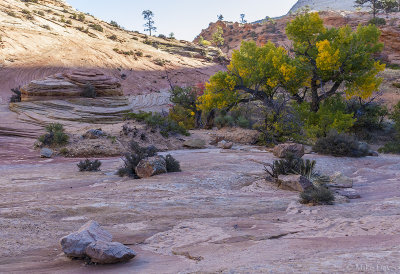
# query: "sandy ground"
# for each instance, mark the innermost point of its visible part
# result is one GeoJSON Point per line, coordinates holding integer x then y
{"type": "Point", "coordinates": [215, 216]}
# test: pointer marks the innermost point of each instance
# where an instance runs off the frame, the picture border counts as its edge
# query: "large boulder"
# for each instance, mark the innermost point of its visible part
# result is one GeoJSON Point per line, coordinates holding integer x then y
{"type": "Point", "coordinates": [75, 244]}
{"type": "Point", "coordinates": [195, 143]}
{"type": "Point", "coordinates": [71, 84]}
{"type": "Point", "coordinates": [294, 182]}
{"type": "Point", "coordinates": [151, 166]}
{"type": "Point", "coordinates": [109, 252]}
{"type": "Point", "coordinates": [289, 149]}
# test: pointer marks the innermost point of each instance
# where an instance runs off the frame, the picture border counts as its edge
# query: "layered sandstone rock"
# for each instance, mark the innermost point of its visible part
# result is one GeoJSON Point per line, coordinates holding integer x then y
{"type": "Point", "coordinates": [71, 84]}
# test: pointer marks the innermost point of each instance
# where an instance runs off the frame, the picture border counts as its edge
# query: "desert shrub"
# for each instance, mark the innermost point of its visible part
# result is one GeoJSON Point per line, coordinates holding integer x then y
{"type": "Point", "coordinates": [394, 145]}
{"type": "Point", "coordinates": [332, 115]}
{"type": "Point", "coordinates": [317, 195]}
{"type": "Point", "coordinates": [127, 53]}
{"type": "Point", "coordinates": [280, 123]}
{"type": "Point", "coordinates": [81, 17]}
{"type": "Point", "coordinates": [132, 159]}
{"type": "Point", "coordinates": [396, 85]}
{"type": "Point", "coordinates": [377, 21]}
{"type": "Point", "coordinates": [96, 27]}
{"type": "Point", "coordinates": [183, 116]}
{"type": "Point", "coordinates": [16, 97]}
{"type": "Point", "coordinates": [224, 120]}
{"type": "Point", "coordinates": [55, 135]}
{"type": "Point", "coordinates": [88, 165]}
{"type": "Point", "coordinates": [89, 91]}
{"type": "Point", "coordinates": [41, 13]}
{"type": "Point", "coordinates": [115, 24]}
{"type": "Point", "coordinates": [339, 145]}
{"type": "Point", "coordinates": [368, 117]}
{"type": "Point", "coordinates": [68, 22]}
{"type": "Point", "coordinates": [185, 109]}
{"type": "Point", "coordinates": [391, 147]}
{"type": "Point", "coordinates": [46, 27]}
{"type": "Point", "coordinates": [159, 62]}
{"type": "Point", "coordinates": [204, 42]}
{"type": "Point", "coordinates": [165, 125]}
{"type": "Point", "coordinates": [172, 164]}
{"type": "Point", "coordinates": [113, 37]}
{"type": "Point", "coordinates": [243, 122]}
{"type": "Point", "coordinates": [139, 53]}
{"type": "Point", "coordinates": [162, 36]}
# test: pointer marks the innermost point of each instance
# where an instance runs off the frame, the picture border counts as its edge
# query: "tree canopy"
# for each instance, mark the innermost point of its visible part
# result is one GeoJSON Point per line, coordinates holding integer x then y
{"type": "Point", "coordinates": [320, 62]}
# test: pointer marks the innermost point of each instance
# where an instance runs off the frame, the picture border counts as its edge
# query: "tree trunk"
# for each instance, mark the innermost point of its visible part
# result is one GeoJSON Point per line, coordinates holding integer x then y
{"type": "Point", "coordinates": [314, 96]}
{"type": "Point", "coordinates": [197, 118]}
{"type": "Point", "coordinates": [210, 119]}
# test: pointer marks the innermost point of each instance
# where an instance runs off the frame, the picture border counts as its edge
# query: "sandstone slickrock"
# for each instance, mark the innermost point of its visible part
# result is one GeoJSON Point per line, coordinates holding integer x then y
{"type": "Point", "coordinates": [287, 149]}
{"type": "Point", "coordinates": [74, 245]}
{"type": "Point", "coordinates": [294, 182]}
{"type": "Point", "coordinates": [46, 153]}
{"type": "Point", "coordinates": [109, 252]}
{"type": "Point", "coordinates": [350, 193]}
{"type": "Point", "coordinates": [338, 180]}
{"type": "Point", "coordinates": [151, 166]}
{"type": "Point", "coordinates": [195, 143]}
{"type": "Point", "coordinates": [71, 84]}
{"type": "Point", "coordinates": [225, 145]}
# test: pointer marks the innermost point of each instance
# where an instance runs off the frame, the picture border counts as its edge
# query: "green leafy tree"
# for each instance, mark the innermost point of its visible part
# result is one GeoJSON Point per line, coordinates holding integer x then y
{"type": "Point", "coordinates": [149, 26]}
{"type": "Point", "coordinates": [377, 6]}
{"type": "Point", "coordinates": [217, 37]}
{"type": "Point", "coordinates": [334, 58]}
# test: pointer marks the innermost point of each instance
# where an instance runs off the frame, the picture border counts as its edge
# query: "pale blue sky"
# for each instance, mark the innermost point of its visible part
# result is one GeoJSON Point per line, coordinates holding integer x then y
{"type": "Point", "coordinates": [185, 18]}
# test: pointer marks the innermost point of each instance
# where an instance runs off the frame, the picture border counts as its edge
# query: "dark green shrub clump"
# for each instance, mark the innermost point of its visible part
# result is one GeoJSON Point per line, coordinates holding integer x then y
{"type": "Point", "coordinates": [394, 146]}
{"type": "Point", "coordinates": [96, 27]}
{"type": "Point", "coordinates": [172, 164]}
{"type": "Point", "coordinates": [320, 195]}
{"type": "Point", "coordinates": [16, 97]}
{"type": "Point", "coordinates": [132, 159]}
{"type": "Point", "coordinates": [55, 135]}
{"type": "Point", "coordinates": [89, 91]}
{"type": "Point", "coordinates": [165, 125]}
{"type": "Point", "coordinates": [377, 21]}
{"type": "Point", "coordinates": [88, 165]}
{"type": "Point", "coordinates": [340, 145]}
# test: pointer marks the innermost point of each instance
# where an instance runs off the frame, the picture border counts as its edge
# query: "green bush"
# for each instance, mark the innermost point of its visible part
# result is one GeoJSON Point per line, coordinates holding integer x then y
{"type": "Point", "coordinates": [55, 135]}
{"type": "Point", "coordinates": [184, 117]}
{"type": "Point", "coordinates": [172, 164]}
{"type": "Point", "coordinates": [340, 145]}
{"type": "Point", "coordinates": [332, 115]}
{"type": "Point", "coordinates": [16, 97]}
{"type": "Point", "coordinates": [377, 21]}
{"type": "Point", "coordinates": [368, 117]}
{"type": "Point", "coordinates": [224, 120]}
{"type": "Point", "coordinates": [394, 146]}
{"type": "Point", "coordinates": [391, 147]}
{"type": "Point", "coordinates": [132, 159]}
{"type": "Point", "coordinates": [317, 195]}
{"type": "Point", "coordinates": [88, 165]}
{"type": "Point", "coordinates": [96, 27]}
{"type": "Point", "coordinates": [89, 91]}
{"type": "Point", "coordinates": [165, 125]}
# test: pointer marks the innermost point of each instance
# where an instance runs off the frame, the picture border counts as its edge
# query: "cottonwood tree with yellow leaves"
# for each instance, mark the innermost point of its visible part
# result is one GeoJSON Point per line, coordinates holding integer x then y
{"type": "Point", "coordinates": [322, 62]}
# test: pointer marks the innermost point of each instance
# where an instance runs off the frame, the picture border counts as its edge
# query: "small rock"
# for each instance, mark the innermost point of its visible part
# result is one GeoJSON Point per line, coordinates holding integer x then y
{"type": "Point", "coordinates": [338, 180]}
{"type": "Point", "coordinates": [216, 140]}
{"type": "Point", "coordinates": [109, 252]}
{"type": "Point", "coordinates": [373, 153]}
{"type": "Point", "coordinates": [46, 153]}
{"type": "Point", "coordinates": [151, 166]}
{"type": "Point", "coordinates": [74, 245]}
{"type": "Point", "coordinates": [195, 143]}
{"type": "Point", "coordinates": [294, 182]}
{"type": "Point", "coordinates": [350, 193]}
{"type": "Point", "coordinates": [288, 149]}
{"type": "Point", "coordinates": [340, 199]}
{"type": "Point", "coordinates": [94, 134]}
{"type": "Point", "coordinates": [225, 145]}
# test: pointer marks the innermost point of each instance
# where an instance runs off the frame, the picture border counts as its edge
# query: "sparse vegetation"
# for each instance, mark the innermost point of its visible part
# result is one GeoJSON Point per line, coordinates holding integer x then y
{"type": "Point", "coordinates": [89, 165]}
{"type": "Point", "coordinates": [132, 159]}
{"type": "Point", "coordinates": [165, 125]}
{"type": "Point", "coordinates": [55, 135]}
{"type": "Point", "coordinates": [16, 97]}
{"type": "Point", "coordinates": [340, 145]}
{"type": "Point", "coordinates": [172, 164]}
{"type": "Point", "coordinates": [317, 195]}
{"type": "Point", "coordinates": [96, 27]}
